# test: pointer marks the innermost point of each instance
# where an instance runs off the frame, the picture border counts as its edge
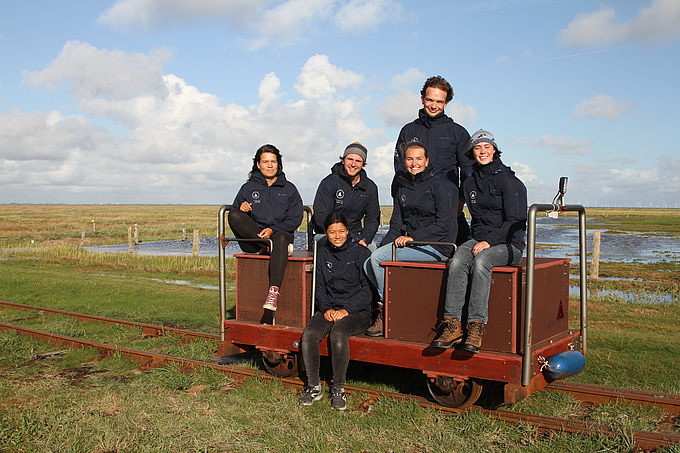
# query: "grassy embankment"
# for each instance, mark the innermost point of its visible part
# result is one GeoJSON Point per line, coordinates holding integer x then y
{"type": "Point", "coordinates": [77, 402]}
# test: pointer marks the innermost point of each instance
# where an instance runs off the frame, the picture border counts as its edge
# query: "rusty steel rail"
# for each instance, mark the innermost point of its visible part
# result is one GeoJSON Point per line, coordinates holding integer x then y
{"type": "Point", "coordinates": [144, 358]}
{"type": "Point", "coordinates": [147, 329]}
{"type": "Point", "coordinates": [643, 440]}
{"type": "Point", "coordinates": [670, 403]}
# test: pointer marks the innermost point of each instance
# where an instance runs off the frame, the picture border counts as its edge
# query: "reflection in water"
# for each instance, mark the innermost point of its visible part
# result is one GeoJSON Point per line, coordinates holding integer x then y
{"type": "Point", "coordinates": [555, 238]}
{"type": "Point", "coordinates": [207, 247]}
{"type": "Point", "coordinates": [642, 297]}
{"type": "Point", "coordinates": [162, 280]}
{"type": "Point", "coordinates": [559, 237]}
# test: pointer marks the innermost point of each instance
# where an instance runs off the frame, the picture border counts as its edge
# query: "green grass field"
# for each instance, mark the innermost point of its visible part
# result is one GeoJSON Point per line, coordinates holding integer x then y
{"type": "Point", "coordinates": [75, 401]}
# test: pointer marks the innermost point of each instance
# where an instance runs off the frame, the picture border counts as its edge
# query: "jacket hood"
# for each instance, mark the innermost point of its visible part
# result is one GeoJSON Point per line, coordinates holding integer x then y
{"type": "Point", "coordinates": [429, 122]}
{"type": "Point", "coordinates": [481, 172]}
{"type": "Point", "coordinates": [404, 177]}
{"type": "Point", "coordinates": [258, 177]}
{"type": "Point", "coordinates": [348, 243]}
{"type": "Point", "coordinates": [339, 170]}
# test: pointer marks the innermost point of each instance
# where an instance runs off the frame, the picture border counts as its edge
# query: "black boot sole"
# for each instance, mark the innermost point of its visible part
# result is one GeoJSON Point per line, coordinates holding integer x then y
{"type": "Point", "coordinates": [470, 348]}
{"type": "Point", "coordinates": [445, 345]}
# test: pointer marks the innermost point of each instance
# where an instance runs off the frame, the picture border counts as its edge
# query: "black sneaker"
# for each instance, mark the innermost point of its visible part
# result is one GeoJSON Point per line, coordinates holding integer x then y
{"type": "Point", "coordinates": [338, 399]}
{"type": "Point", "coordinates": [310, 395]}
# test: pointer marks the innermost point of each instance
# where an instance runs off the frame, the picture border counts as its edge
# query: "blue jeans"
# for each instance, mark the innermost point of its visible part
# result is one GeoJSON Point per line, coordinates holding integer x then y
{"type": "Point", "coordinates": [376, 273]}
{"type": "Point", "coordinates": [464, 267]}
{"type": "Point", "coordinates": [339, 332]}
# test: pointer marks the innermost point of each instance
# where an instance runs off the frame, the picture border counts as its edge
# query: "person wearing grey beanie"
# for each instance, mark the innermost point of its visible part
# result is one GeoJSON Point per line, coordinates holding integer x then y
{"type": "Point", "coordinates": [349, 190]}
{"type": "Point", "coordinates": [497, 201]}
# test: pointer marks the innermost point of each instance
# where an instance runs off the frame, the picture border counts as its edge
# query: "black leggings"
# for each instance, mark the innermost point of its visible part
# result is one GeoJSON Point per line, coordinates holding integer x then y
{"type": "Point", "coordinates": [339, 333]}
{"type": "Point", "coordinates": [245, 227]}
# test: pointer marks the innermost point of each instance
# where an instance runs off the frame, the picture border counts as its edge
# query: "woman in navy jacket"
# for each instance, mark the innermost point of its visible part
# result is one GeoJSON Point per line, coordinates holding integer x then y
{"type": "Point", "coordinates": [343, 299]}
{"type": "Point", "coordinates": [425, 209]}
{"type": "Point", "coordinates": [497, 201]}
{"type": "Point", "coordinates": [268, 207]}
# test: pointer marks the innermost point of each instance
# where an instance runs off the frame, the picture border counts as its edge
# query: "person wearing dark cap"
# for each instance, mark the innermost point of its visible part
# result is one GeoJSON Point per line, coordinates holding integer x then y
{"type": "Point", "coordinates": [446, 140]}
{"type": "Point", "coordinates": [349, 190]}
{"type": "Point", "coordinates": [497, 201]}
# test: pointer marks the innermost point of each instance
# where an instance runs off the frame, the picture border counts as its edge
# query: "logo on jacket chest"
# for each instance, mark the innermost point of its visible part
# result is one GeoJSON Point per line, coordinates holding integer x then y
{"type": "Point", "coordinates": [473, 196]}
{"type": "Point", "coordinates": [329, 265]}
{"type": "Point", "coordinates": [339, 196]}
{"type": "Point", "coordinates": [256, 196]}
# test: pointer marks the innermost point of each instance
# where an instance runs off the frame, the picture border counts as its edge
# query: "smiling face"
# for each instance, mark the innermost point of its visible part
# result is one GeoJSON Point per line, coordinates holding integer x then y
{"type": "Point", "coordinates": [434, 101]}
{"type": "Point", "coordinates": [268, 165]}
{"type": "Point", "coordinates": [337, 233]}
{"type": "Point", "coordinates": [352, 163]}
{"type": "Point", "coordinates": [415, 160]}
{"type": "Point", "coordinates": [483, 153]}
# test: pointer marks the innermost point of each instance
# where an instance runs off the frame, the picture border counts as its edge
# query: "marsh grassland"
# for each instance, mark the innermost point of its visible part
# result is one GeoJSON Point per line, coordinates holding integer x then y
{"type": "Point", "coordinates": [75, 401]}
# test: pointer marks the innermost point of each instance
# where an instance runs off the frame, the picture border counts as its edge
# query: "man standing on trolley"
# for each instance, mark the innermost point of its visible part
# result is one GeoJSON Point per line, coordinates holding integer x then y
{"type": "Point", "coordinates": [446, 142]}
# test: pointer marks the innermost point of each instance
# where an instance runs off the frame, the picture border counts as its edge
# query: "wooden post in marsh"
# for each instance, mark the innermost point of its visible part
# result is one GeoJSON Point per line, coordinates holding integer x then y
{"type": "Point", "coordinates": [130, 239]}
{"type": "Point", "coordinates": [595, 260]}
{"type": "Point", "coordinates": [136, 234]}
{"type": "Point", "coordinates": [195, 243]}
{"type": "Point", "coordinates": [82, 237]}
{"type": "Point", "coordinates": [94, 225]}
{"type": "Point", "coordinates": [184, 232]}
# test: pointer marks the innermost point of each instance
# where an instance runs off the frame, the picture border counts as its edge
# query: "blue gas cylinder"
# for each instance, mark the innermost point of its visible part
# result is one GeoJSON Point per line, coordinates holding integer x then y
{"type": "Point", "coordinates": [563, 365]}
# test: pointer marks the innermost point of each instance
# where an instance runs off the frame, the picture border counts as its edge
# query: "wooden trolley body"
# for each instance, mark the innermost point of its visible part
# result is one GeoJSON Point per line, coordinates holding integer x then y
{"type": "Point", "coordinates": [415, 293]}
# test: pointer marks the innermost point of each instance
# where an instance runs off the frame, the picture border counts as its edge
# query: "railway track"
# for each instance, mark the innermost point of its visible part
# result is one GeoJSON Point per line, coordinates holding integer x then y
{"type": "Point", "coordinates": [644, 440]}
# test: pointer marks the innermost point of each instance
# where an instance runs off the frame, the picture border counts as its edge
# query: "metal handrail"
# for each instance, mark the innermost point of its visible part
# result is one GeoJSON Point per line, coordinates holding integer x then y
{"type": "Point", "coordinates": [409, 243]}
{"type": "Point", "coordinates": [224, 240]}
{"type": "Point", "coordinates": [531, 264]}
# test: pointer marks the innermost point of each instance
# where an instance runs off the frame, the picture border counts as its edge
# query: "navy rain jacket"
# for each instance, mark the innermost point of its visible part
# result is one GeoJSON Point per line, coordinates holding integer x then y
{"type": "Point", "coordinates": [425, 208]}
{"type": "Point", "coordinates": [340, 278]}
{"type": "Point", "coordinates": [357, 203]}
{"type": "Point", "coordinates": [497, 201]}
{"type": "Point", "coordinates": [446, 142]}
{"type": "Point", "coordinates": [278, 206]}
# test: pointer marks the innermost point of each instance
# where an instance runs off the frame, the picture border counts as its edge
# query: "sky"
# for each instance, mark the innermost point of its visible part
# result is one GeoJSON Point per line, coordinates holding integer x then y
{"type": "Point", "coordinates": [166, 101]}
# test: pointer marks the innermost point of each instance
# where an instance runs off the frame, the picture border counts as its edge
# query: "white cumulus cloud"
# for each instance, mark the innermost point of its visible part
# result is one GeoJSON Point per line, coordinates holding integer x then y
{"type": "Point", "coordinates": [562, 144]}
{"type": "Point", "coordinates": [320, 79]}
{"type": "Point", "coordinates": [657, 23]}
{"type": "Point", "coordinates": [601, 106]}
{"type": "Point", "coordinates": [637, 185]}
{"type": "Point", "coordinates": [170, 141]}
{"type": "Point", "coordinates": [360, 16]}
{"type": "Point", "coordinates": [256, 23]}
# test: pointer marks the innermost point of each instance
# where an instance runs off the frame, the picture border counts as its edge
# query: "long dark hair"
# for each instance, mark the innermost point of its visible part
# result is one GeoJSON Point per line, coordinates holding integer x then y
{"type": "Point", "coordinates": [266, 149]}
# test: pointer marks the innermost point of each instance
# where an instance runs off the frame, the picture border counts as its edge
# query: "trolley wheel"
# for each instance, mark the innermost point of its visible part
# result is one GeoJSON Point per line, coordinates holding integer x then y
{"type": "Point", "coordinates": [281, 365]}
{"type": "Point", "coordinates": [451, 393]}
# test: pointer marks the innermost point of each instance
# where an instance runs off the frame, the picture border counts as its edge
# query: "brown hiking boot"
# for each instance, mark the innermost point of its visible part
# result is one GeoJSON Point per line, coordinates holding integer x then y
{"type": "Point", "coordinates": [452, 333]}
{"type": "Point", "coordinates": [475, 331]}
{"type": "Point", "coordinates": [376, 330]}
